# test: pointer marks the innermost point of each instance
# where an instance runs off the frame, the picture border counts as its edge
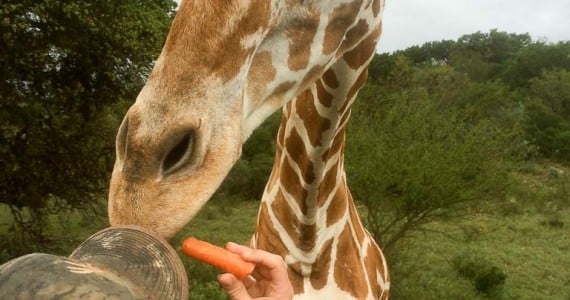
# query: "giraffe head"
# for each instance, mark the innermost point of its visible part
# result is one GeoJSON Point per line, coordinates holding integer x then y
{"type": "Point", "coordinates": [225, 67]}
{"type": "Point", "coordinates": [183, 134]}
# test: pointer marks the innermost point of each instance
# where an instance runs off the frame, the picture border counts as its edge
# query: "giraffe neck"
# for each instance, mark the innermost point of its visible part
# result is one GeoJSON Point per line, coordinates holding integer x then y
{"type": "Point", "coordinates": [307, 174]}
{"type": "Point", "coordinates": [307, 214]}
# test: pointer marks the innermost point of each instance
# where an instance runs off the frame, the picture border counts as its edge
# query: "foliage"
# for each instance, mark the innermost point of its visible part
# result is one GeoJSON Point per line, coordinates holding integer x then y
{"type": "Point", "coordinates": [248, 176]}
{"type": "Point", "coordinates": [487, 278]}
{"type": "Point", "coordinates": [548, 113]}
{"type": "Point", "coordinates": [531, 61]}
{"type": "Point", "coordinates": [411, 162]}
{"type": "Point", "coordinates": [69, 68]}
{"type": "Point", "coordinates": [514, 78]}
{"type": "Point", "coordinates": [441, 130]}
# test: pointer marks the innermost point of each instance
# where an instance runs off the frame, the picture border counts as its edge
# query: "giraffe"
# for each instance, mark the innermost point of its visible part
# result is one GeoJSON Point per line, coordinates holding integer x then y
{"type": "Point", "coordinates": [225, 67]}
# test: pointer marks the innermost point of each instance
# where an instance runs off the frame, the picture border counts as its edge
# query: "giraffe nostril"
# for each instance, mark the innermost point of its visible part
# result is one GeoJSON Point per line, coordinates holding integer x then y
{"type": "Point", "coordinates": [179, 154]}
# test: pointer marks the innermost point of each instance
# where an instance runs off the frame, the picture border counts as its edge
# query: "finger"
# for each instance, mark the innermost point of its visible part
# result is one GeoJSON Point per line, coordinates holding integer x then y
{"type": "Point", "coordinates": [268, 266]}
{"type": "Point", "coordinates": [268, 260]}
{"type": "Point", "coordinates": [233, 287]}
{"type": "Point", "coordinates": [249, 281]}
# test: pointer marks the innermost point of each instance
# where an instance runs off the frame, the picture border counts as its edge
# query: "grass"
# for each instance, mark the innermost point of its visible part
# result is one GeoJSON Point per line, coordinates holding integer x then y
{"type": "Point", "coordinates": [534, 254]}
{"type": "Point", "coordinates": [535, 257]}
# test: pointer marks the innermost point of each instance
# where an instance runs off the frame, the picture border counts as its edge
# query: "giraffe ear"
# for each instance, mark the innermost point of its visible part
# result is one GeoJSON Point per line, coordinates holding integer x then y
{"type": "Point", "coordinates": [121, 142]}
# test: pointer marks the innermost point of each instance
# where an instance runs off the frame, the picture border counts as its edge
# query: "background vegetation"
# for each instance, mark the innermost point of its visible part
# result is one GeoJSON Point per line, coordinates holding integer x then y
{"type": "Point", "coordinates": [69, 70]}
{"type": "Point", "coordinates": [458, 151]}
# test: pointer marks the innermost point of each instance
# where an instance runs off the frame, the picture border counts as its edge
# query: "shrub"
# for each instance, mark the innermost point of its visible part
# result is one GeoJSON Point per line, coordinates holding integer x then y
{"type": "Point", "coordinates": [487, 278]}
{"type": "Point", "coordinates": [411, 162]}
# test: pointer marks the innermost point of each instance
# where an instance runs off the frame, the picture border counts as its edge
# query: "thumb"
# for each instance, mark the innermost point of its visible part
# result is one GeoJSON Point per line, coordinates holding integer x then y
{"type": "Point", "coordinates": [233, 286]}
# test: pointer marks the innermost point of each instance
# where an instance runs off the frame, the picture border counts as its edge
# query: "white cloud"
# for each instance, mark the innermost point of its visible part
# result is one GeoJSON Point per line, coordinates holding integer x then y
{"type": "Point", "coordinates": [414, 22]}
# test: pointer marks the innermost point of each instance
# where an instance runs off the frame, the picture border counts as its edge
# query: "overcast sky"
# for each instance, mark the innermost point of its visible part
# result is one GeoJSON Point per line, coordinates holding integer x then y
{"type": "Point", "coordinates": [414, 22]}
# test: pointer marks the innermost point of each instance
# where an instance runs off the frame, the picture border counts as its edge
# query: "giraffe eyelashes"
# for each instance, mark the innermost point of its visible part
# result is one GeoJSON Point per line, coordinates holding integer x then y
{"type": "Point", "coordinates": [180, 154]}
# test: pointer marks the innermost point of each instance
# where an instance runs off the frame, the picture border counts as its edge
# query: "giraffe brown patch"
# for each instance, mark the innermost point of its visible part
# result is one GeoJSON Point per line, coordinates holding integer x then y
{"type": "Point", "coordinates": [339, 20]}
{"type": "Point", "coordinates": [360, 81]}
{"type": "Point", "coordinates": [344, 116]}
{"type": "Point", "coordinates": [354, 35]}
{"type": "Point", "coordinates": [307, 237]}
{"type": "Point", "coordinates": [298, 153]}
{"type": "Point", "coordinates": [328, 183]}
{"type": "Point", "coordinates": [348, 266]}
{"type": "Point", "coordinates": [282, 129]}
{"type": "Point", "coordinates": [320, 268]}
{"type": "Point", "coordinates": [376, 7]}
{"type": "Point", "coordinates": [300, 36]}
{"type": "Point", "coordinates": [374, 263]}
{"type": "Point", "coordinates": [360, 55]}
{"type": "Point", "coordinates": [329, 77]}
{"type": "Point", "coordinates": [285, 214]}
{"type": "Point", "coordinates": [356, 223]}
{"type": "Point", "coordinates": [268, 237]}
{"type": "Point", "coordinates": [234, 54]}
{"type": "Point", "coordinates": [313, 74]}
{"type": "Point", "coordinates": [303, 234]}
{"type": "Point", "coordinates": [283, 87]}
{"type": "Point", "coordinates": [261, 72]}
{"type": "Point", "coordinates": [338, 206]}
{"type": "Point", "coordinates": [275, 170]}
{"type": "Point", "coordinates": [337, 144]}
{"type": "Point", "coordinates": [292, 184]}
{"type": "Point", "coordinates": [314, 123]}
{"type": "Point", "coordinates": [324, 97]}
{"type": "Point", "coordinates": [296, 278]}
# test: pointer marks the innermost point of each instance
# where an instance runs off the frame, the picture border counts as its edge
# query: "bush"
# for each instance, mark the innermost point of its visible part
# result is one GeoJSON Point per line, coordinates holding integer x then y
{"type": "Point", "coordinates": [548, 113]}
{"type": "Point", "coordinates": [67, 76]}
{"type": "Point", "coordinates": [411, 162]}
{"type": "Point", "coordinates": [487, 278]}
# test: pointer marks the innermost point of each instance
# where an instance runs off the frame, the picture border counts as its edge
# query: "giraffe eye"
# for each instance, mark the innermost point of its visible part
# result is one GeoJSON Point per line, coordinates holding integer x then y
{"type": "Point", "coordinates": [179, 155]}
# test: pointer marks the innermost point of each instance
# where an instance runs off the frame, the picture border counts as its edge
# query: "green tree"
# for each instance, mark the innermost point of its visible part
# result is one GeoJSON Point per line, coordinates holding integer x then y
{"type": "Point", "coordinates": [429, 53]}
{"type": "Point", "coordinates": [412, 162]}
{"type": "Point", "coordinates": [532, 60]}
{"type": "Point", "coordinates": [548, 113]}
{"type": "Point", "coordinates": [495, 46]}
{"type": "Point", "coordinates": [69, 68]}
{"type": "Point", "coordinates": [481, 55]}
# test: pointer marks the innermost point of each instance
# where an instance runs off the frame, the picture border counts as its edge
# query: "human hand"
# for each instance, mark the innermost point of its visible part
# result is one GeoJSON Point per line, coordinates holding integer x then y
{"type": "Point", "coordinates": [269, 279]}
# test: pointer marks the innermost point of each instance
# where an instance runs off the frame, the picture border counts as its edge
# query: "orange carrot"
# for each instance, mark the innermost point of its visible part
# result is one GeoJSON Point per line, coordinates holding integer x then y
{"type": "Point", "coordinates": [218, 257]}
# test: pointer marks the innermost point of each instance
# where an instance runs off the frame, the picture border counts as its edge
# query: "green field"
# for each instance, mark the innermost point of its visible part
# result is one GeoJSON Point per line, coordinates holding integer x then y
{"type": "Point", "coordinates": [534, 254]}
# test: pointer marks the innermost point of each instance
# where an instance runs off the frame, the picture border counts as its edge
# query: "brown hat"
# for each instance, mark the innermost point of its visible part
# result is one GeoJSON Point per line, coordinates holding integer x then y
{"type": "Point", "coordinates": [115, 263]}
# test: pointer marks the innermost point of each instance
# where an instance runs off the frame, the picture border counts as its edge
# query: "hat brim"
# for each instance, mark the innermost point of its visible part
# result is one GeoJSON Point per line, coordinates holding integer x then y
{"type": "Point", "coordinates": [115, 263]}
{"type": "Point", "coordinates": [139, 256]}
